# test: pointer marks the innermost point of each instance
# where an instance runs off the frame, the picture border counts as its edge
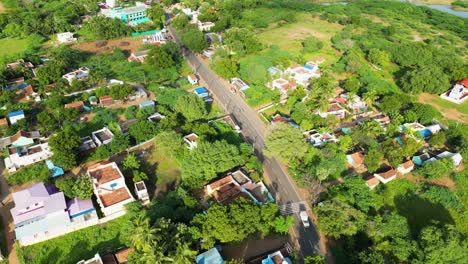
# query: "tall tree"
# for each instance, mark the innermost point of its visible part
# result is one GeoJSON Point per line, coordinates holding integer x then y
{"type": "Point", "coordinates": [191, 107]}
{"type": "Point", "coordinates": [286, 142]}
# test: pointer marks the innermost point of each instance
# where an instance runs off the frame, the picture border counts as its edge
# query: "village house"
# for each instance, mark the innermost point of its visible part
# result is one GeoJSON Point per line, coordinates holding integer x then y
{"type": "Point", "coordinates": [458, 94]}
{"type": "Point", "coordinates": [318, 139]}
{"type": "Point", "coordinates": [139, 56]}
{"type": "Point", "coordinates": [105, 100]}
{"type": "Point", "coordinates": [87, 143]}
{"type": "Point", "coordinates": [303, 74]}
{"type": "Point", "coordinates": [386, 175]}
{"type": "Point", "coordinates": [65, 37]}
{"type": "Point", "coordinates": [372, 182]}
{"type": "Point", "coordinates": [20, 139]}
{"type": "Point", "coordinates": [354, 103]}
{"type": "Point", "coordinates": [19, 157]}
{"type": "Point", "coordinates": [158, 38]}
{"type": "Point", "coordinates": [203, 93]}
{"type": "Point", "coordinates": [277, 118]}
{"type": "Point", "coordinates": [142, 192]}
{"type": "Point", "coordinates": [276, 258]}
{"type": "Point", "coordinates": [239, 84]}
{"type": "Point", "coordinates": [355, 159]}
{"type": "Point", "coordinates": [118, 257]}
{"type": "Point", "coordinates": [211, 256]}
{"type": "Point", "coordinates": [156, 117]}
{"type": "Point", "coordinates": [191, 140]}
{"type": "Point", "coordinates": [15, 116]}
{"type": "Point", "coordinates": [81, 74]}
{"type": "Point", "coordinates": [22, 63]}
{"type": "Point", "coordinates": [205, 26]}
{"type": "Point", "coordinates": [42, 213]}
{"type": "Point", "coordinates": [102, 136]}
{"type": "Point", "coordinates": [455, 157]}
{"type": "Point", "coordinates": [110, 188]}
{"type": "Point", "coordinates": [283, 86]}
{"type": "Point", "coordinates": [382, 119]}
{"type": "Point", "coordinates": [79, 105]}
{"type": "Point", "coordinates": [235, 185]}
{"type": "Point", "coordinates": [334, 109]}
{"type": "Point", "coordinates": [192, 79]}
{"type": "Point", "coordinates": [422, 158]}
{"type": "Point", "coordinates": [415, 127]}
{"type": "Point", "coordinates": [406, 167]}
{"type": "Point", "coordinates": [148, 104]}
{"type": "Point", "coordinates": [15, 84]}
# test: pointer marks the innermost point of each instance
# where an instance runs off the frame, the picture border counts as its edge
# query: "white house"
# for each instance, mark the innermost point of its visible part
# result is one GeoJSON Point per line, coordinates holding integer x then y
{"type": "Point", "coordinates": [386, 176]}
{"type": "Point", "coordinates": [191, 140]}
{"type": "Point", "coordinates": [372, 182]}
{"type": "Point", "coordinates": [192, 79]}
{"type": "Point", "coordinates": [455, 157]}
{"type": "Point", "coordinates": [102, 136]}
{"type": "Point", "coordinates": [65, 37]}
{"type": "Point", "coordinates": [406, 167]}
{"type": "Point", "coordinates": [317, 139]}
{"type": "Point", "coordinates": [458, 94]}
{"type": "Point", "coordinates": [303, 74]}
{"type": "Point", "coordinates": [283, 86]}
{"type": "Point", "coordinates": [142, 192]}
{"type": "Point", "coordinates": [333, 109]}
{"type": "Point", "coordinates": [239, 84]}
{"type": "Point", "coordinates": [13, 117]}
{"type": "Point", "coordinates": [110, 188]}
{"type": "Point", "coordinates": [355, 103]}
{"type": "Point", "coordinates": [81, 74]}
{"type": "Point", "coordinates": [24, 156]}
{"type": "Point", "coordinates": [205, 26]}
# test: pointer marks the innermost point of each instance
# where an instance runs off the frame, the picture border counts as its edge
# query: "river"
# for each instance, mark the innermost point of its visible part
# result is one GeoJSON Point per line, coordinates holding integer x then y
{"type": "Point", "coordinates": [443, 8]}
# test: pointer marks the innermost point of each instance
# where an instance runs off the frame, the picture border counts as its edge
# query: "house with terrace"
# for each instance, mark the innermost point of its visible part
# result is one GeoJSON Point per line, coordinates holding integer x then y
{"type": "Point", "coordinates": [81, 74]}
{"type": "Point", "coordinates": [302, 74]}
{"type": "Point", "coordinates": [237, 184]}
{"type": "Point", "coordinates": [406, 167]}
{"type": "Point", "coordinates": [318, 139]}
{"type": "Point", "coordinates": [20, 139]}
{"type": "Point", "coordinates": [335, 109]}
{"type": "Point", "coordinates": [355, 159]}
{"type": "Point", "coordinates": [42, 213]}
{"type": "Point", "coordinates": [139, 56]}
{"type": "Point", "coordinates": [283, 86]}
{"type": "Point", "coordinates": [102, 136]}
{"type": "Point", "coordinates": [372, 182]}
{"type": "Point", "coordinates": [24, 149]}
{"type": "Point", "coordinates": [79, 105]}
{"type": "Point", "coordinates": [386, 175]}
{"type": "Point", "coordinates": [458, 94]}
{"type": "Point", "coordinates": [191, 140]}
{"type": "Point", "coordinates": [110, 188]}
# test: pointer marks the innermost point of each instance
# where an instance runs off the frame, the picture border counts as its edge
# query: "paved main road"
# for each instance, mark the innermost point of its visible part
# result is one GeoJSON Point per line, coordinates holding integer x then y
{"type": "Point", "coordinates": [254, 130]}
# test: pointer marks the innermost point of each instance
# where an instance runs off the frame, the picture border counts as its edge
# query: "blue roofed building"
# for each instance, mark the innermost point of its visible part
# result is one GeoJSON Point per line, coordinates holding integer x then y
{"type": "Point", "coordinates": [211, 256]}
{"type": "Point", "coordinates": [15, 116]}
{"type": "Point", "coordinates": [147, 104]}
{"type": "Point", "coordinates": [203, 93]}
{"type": "Point", "coordinates": [276, 258]}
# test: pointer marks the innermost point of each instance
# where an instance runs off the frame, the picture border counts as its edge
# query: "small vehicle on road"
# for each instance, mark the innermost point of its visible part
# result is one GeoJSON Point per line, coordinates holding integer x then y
{"type": "Point", "coordinates": [304, 219]}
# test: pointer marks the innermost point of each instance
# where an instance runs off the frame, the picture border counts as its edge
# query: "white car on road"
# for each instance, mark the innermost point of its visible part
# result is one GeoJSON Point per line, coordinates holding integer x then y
{"type": "Point", "coordinates": [304, 219]}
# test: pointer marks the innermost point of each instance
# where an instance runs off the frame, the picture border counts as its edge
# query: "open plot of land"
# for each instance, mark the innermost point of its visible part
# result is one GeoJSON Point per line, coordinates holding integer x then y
{"type": "Point", "coordinates": [130, 44]}
{"type": "Point", "coordinates": [2, 8]}
{"type": "Point", "coordinates": [78, 245]}
{"type": "Point", "coordinates": [452, 111]}
{"type": "Point", "coordinates": [289, 36]}
{"type": "Point", "coordinates": [11, 46]}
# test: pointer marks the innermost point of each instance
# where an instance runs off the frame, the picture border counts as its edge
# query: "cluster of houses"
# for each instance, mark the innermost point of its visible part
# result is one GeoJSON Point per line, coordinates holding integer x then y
{"type": "Point", "coordinates": [193, 15]}
{"type": "Point", "coordinates": [43, 212]}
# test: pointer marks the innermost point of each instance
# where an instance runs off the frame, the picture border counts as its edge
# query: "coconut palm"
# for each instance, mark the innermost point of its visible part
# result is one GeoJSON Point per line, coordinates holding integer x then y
{"type": "Point", "coordinates": [184, 254]}
{"type": "Point", "coordinates": [143, 237]}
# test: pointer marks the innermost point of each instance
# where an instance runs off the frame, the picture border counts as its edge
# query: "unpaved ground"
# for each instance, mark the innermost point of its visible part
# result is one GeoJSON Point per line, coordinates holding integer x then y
{"type": "Point", "coordinates": [129, 44]}
{"type": "Point", "coordinates": [2, 8]}
{"type": "Point", "coordinates": [448, 112]}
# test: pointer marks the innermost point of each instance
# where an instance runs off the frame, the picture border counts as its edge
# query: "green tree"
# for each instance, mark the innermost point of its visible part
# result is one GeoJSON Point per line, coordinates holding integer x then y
{"type": "Point", "coordinates": [438, 139]}
{"type": "Point", "coordinates": [378, 57]}
{"type": "Point", "coordinates": [314, 260]}
{"type": "Point", "coordinates": [352, 85]}
{"type": "Point", "coordinates": [157, 15]}
{"type": "Point", "coordinates": [225, 67]}
{"type": "Point", "coordinates": [120, 92]}
{"type": "Point", "coordinates": [195, 40]}
{"type": "Point", "coordinates": [101, 27]}
{"type": "Point", "coordinates": [208, 159]}
{"type": "Point", "coordinates": [65, 145]}
{"type": "Point", "coordinates": [286, 142]}
{"type": "Point", "coordinates": [131, 162]}
{"type": "Point", "coordinates": [143, 130]}
{"type": "Point", "coordinates": [436, 169]}
{"type": "Point", "coordinates": [372, 159]}
{"type": "Point", "coordinates": [426, 113]}
{"type": "Point", "coordinates": [354, 191]}
{"type": "Point", "coordinates": [159, 58]}
{"type": "Point", "coordinates": [169, 142]}
{"type": "Point", "coordinates": [337, 218]}
{"type": "Point", "coordinates": [311, 44]}
{"type": "Point", "coordinates": [81, 186]}
{"type": "Point", "coordinates": [443, 245]}
{"type": "Point", "coordinates": [47, 123]}
{"type": "Point", "coordinates": [429, 79]}
{"type": "Point", "coordinates": [191, 107]}
{"type": "Point", "coordinates": [282, 224]}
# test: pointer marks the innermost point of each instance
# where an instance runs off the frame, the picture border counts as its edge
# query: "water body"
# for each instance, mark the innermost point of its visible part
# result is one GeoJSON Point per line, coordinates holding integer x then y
{"type": "Point", "coordinates": [443, 8]}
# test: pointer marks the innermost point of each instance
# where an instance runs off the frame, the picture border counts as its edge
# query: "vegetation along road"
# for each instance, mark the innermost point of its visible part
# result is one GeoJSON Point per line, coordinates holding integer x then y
{"type": "Point", "coordinates": [254, 130]}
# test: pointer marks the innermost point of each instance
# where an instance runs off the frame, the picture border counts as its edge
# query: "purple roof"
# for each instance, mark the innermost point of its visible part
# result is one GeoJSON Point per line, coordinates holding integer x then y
{"type": "Point", "coordinates": [76, 206]}
{"type": "Point", "coordinates": [36, 201]}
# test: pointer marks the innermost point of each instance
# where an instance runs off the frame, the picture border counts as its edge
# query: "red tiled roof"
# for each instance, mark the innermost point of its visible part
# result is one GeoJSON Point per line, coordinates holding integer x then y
{"type": "Point", "coordinates": [388, 174]}
{"type": "Point", "coordinates": [122, 255]}
{"type": "Point", "coordinates": [77, 105]}
{"type": "Point", "coordinates": [20, 134]}
{"type": "Point", "coordinates": [107, 99]}
{"type": "Point", "coordinates": [193, 77]}
{"type": "Point", "coordinates": [408, 164]}
{"type": "Point", "coordinates": [105, 174]}
{"type": "Point", "coordinates": [358, 158]}
{"type": "Point", "coordinates": [221, 182]}
{"type": "Point", "coordinates": [464, 82]}
{"type": "Point", "coordinates": [29, 90]}
{"type": "Point", "coordinates": [114, 197]}
{"type": "Point", "coordinates": [372, 181]}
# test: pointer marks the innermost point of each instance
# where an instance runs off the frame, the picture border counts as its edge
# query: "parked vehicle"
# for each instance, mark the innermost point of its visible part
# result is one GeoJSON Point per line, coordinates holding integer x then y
{"type": "Point", "coordinates": [304, 219]}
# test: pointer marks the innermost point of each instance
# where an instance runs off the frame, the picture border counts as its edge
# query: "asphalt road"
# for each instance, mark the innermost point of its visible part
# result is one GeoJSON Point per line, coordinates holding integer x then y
{"type": "Point", "coordinates": [255, 131]}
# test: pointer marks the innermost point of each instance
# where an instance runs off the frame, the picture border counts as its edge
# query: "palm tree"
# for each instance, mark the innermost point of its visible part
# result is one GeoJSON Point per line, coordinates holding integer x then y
{"type": "Point", "coordinates": [143, 237]}
{"type": "Point", "coordinates": [370, 97]}
{"type": "Point", "coordinates": [183, 254]}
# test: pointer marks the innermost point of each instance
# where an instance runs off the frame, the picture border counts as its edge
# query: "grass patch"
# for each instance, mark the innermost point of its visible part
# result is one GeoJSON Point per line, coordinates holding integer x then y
{"type": "Point", "coordinates": [78, 245]}
{"type": "Point", "coordinates": [164, 171]}
{"type": "Point", "coordinates": [11, 46]}
{"type": "Point", "coordinates": [289, 36]}
{"type": "Point", "coordinates": [257, 96]}
{"type": "Point", "coordinates": [452, 111]}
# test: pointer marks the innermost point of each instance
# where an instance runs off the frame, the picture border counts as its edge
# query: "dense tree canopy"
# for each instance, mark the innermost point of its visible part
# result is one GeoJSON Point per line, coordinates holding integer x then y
{"type": "Point", "coordinates": [286, 142]}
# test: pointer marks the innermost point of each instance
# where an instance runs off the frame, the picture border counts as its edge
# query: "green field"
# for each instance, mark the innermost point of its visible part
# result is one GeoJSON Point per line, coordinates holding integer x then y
{"type": "Point", "coordinates": [11, 46]}
{"type": "Point", "coordinates": [79, 245]}
{"type": "Point", "coordinates": [289, 36]}
{"type": "Point", "coordinates": [452, 111]}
